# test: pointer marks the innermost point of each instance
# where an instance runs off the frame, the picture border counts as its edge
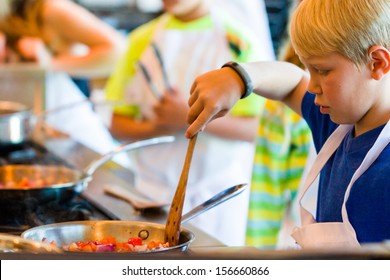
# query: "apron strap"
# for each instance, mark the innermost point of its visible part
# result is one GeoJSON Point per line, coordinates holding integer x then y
{"type": "Point", "coordinates": [325, 153]}
{"type": "Point", "coordinates": [380, 144]}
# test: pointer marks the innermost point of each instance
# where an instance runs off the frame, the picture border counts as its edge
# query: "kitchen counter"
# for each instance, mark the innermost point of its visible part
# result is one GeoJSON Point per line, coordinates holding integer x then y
{"type": "Point", "coordinates": [196, 252]}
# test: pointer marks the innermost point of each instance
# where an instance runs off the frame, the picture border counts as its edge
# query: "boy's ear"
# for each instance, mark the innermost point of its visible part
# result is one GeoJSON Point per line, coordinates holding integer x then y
{"type": "Point", "coordinates": [379, 61]}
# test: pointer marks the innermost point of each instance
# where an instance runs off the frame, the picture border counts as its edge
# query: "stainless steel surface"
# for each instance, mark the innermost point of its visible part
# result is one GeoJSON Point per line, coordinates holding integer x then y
{"type": "Point", "coordinates": [15, 125]}
{"type": "Point", "coordinates": [15, 244]}
{"type": "Point", "coordinates": [69, 232]}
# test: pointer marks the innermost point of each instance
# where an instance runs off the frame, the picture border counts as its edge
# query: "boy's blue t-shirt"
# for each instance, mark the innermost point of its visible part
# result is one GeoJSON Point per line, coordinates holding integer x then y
{"type": "Point", "coordinates": [368, 206]}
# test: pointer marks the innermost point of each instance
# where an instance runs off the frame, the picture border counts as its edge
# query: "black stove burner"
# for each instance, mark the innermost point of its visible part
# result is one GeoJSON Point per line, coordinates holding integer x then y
{"type": "Point", "coordinates": [52, 212]}
{"type": "Point", "coordinates": [14, 221]}
{"type": "Point", "coordinates": [28, 153]}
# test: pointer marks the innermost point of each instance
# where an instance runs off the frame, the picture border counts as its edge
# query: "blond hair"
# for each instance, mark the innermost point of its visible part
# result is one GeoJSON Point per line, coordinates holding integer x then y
{"type": "Point", "coordinates": [21, 18]}
{"type": "Point", "coordinates": [348, 27]}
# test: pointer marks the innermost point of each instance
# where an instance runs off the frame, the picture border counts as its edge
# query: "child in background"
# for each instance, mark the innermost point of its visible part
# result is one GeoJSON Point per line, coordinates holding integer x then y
{"type": "Point", "coordinates": [192, 37]}
{"type": "Point", "coordinates": [283, 144]}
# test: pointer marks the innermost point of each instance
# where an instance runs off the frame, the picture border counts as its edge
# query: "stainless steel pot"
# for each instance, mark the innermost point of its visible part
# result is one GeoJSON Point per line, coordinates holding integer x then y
{"type": "Point", "coordinates": [17, 121]}
{"type": "Point", "coordinates": [15, 124]}
{"type": "Point", "coordinates": [69, 232]}
{"type": "Point", "coordinates": [63, 182]}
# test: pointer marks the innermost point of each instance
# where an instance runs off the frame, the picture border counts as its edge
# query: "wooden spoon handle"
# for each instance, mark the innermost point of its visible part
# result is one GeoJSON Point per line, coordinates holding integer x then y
{"type": "Point", "coordinates": [172, 227]}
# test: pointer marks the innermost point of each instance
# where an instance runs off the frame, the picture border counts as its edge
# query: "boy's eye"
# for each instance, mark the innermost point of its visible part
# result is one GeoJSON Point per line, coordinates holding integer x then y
{"type": "Point", "coordinates": [322, 72]}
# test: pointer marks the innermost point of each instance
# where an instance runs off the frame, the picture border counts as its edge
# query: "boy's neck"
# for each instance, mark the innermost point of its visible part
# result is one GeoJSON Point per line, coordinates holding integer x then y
{"type": "Point", "coordinates": [197, 12]}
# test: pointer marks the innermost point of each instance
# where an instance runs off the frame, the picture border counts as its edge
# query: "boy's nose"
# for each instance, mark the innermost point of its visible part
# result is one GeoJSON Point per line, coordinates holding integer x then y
{"type": "Point", "coordinates": [313, 87]}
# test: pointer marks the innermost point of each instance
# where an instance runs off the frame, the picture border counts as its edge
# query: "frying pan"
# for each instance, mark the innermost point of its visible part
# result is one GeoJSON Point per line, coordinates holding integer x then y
{"type": "Point", "coordinates": [69, 232]}
{"type": "Point", "coordinates": [62, 183]}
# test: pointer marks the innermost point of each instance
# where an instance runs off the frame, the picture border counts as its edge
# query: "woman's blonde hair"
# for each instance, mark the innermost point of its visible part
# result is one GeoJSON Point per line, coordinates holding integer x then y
{"type": "Point", "coordinates": [348, 27]}
{"type": "Point", "coordinates": [20, 18]}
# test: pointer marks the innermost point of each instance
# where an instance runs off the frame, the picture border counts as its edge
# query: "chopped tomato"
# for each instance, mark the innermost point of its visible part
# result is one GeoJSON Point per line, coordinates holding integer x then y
{"type": "Point", "coordinates": [24, 182]}
{"type": "Point", "coordinates": [87, 248]}
{"type": "Point", "coordinates": [124, 247]}
{"type": "Point", "coordinates": [108, 240]}
{"type": "Point", "coordinates": [110, 244]}
{"type": "Point", "coordinates": [135, 241]}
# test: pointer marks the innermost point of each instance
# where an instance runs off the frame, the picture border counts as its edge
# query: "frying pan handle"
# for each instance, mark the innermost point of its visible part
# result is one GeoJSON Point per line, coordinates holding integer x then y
{"type": "Point", "coordinates": [214, 201]}
{"type": "Point", "coordinates": [91, 168]}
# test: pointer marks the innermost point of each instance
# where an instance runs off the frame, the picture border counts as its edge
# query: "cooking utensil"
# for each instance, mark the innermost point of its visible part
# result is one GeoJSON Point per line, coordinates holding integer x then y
{"type": "Point", "coordinates": [172, 228]}
{"type": "Point", "coordinates": [63, 182]}
{"type": "Point", "coordinates": [137, 201]}
{"type": "Point", "coordinates": [69, 232]}
{"type": "Point", "coordinates": [15, 244]}
{"type": "Point", "coordinates": [150, 82]}
{"type": "Point", "coordinates": [140, 202]}
{"type": "Point", "coordinates": [162, 66]}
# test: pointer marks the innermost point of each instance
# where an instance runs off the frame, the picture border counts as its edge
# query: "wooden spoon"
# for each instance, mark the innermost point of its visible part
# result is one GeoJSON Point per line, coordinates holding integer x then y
{"type": "Point", "coordinates": [172, 227]}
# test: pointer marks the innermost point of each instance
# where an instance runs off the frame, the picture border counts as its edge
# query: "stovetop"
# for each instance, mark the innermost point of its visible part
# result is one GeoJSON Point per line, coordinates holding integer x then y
{"type": "Point", "coordinates": [93, 203]}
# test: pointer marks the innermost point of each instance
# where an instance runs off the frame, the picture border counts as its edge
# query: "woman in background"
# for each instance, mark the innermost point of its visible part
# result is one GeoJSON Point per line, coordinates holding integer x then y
{"type": "Point", "coordinates": [67, 40]}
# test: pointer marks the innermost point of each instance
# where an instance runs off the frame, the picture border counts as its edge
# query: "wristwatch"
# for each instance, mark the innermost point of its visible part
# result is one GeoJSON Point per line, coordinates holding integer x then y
{"type": "Point", "coordinates": [244, 77]}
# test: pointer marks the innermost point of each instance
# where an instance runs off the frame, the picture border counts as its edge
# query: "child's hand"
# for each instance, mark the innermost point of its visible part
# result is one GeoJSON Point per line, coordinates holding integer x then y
{"type": "Point", "coordinates": [171, 112]}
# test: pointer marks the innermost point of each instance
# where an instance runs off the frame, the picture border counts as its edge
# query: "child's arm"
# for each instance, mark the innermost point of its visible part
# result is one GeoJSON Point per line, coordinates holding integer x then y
{"type": "Point", "coordinates": [214, 93]}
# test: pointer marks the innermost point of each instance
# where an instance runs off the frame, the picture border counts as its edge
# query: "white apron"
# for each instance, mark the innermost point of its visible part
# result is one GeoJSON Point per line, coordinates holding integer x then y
{"type": "Point", "coordinates": [217, 163]}
{"type": "Point", "coordinates": [335, 234]}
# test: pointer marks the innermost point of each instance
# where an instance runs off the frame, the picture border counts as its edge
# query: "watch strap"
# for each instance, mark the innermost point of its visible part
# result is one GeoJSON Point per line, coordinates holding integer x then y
{"type": "Point", "coordinates": [243, 75]}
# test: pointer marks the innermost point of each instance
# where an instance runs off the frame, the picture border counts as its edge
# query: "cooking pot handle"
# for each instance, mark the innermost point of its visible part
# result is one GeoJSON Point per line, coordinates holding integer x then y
{"type": "Point", "coordinates": [214, 201]}
{"type": "Point", "coordinates": [91, 168]}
